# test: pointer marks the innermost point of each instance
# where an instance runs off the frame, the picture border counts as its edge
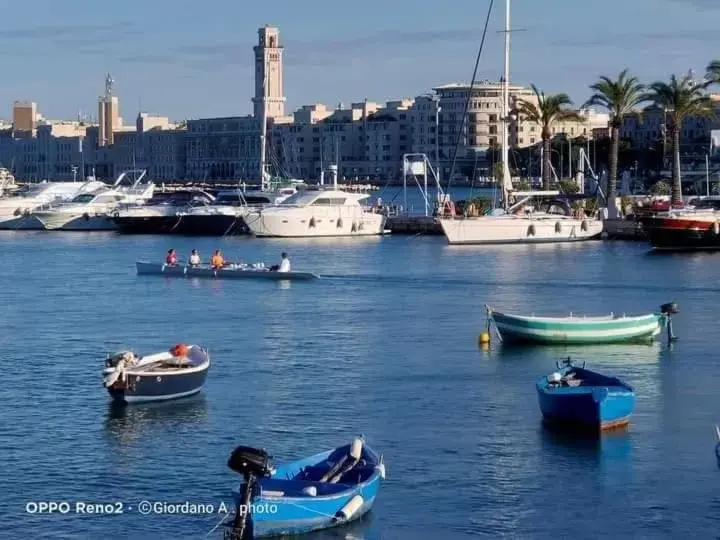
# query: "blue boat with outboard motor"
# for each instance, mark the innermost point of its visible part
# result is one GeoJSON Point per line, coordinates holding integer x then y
{"type": "Point", "coordinates": [325, 490]}
{"type": "Point", "coordinates": [576, 397]}
{"type": "Point", "coordinates": [228, 271]}
{"type": "Point", "coordinates": [177, 373]}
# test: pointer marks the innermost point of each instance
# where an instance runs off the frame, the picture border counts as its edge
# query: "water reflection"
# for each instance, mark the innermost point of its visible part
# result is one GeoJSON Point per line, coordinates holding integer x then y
{"type": "Point", "coordinates": [284, 284]}
{"type": "Point", "coordinates": [127, 423]}
{"type": "Point", "coordinates": [611, 354]}
{"type": "Point", "coordinates": [614, 446]}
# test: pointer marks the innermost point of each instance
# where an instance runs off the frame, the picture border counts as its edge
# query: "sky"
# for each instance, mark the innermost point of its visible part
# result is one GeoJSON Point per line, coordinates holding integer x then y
{"type": "Point", "coordinates": [189, 59]}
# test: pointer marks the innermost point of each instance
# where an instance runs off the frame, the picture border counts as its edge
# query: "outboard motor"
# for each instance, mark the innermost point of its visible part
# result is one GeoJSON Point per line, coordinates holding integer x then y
{"type": "Point", "coordinates": [251, 463]}
{"type": "Point", "coordinates": [669, 310]}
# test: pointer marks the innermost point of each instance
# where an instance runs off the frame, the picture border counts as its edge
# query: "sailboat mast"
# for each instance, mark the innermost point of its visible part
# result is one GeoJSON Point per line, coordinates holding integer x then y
{"type": "Point", "coordinates": [263, 129]}
{"type": "Point", "coordinates": [506, 180]}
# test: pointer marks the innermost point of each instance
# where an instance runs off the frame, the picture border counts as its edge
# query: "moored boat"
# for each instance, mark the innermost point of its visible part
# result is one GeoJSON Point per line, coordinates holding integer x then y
{"type": "Point", "coordinates": [325, 490]}
{"type": "Point", "coordinates": [578, 398]}
{"type": "Point", "coordinates": [173, 374]}
{"type": "Point", "coordinates": [581, 329]}
{"type": "Point", "coordinates": [684, 231]}
{"type": "Point", "coordinates": [229, 271]}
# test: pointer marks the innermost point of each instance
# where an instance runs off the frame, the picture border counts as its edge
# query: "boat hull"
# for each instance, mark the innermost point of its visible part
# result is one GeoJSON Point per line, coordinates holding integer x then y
{"type": "Point", "coordinates": [510, 229]}
{"type": "Point", "coordinates": [147, 224]}
{"type": "Point", "coordinates": [681, 234]}
{"type": "Point", "coordinates": [576, 331]}
{"type": "Point", "coordinates": [298, 223]}
{"type": "Point", "coordinates": [152, 386]}
{"type": "Point", "coordinates": [155, 269]}
{"type": "Point", "coordinates": [25, 222]}
{"type": "Point", "coordinates": [76, 222]}
{"type": "Point", "coordinates": [276, 514]}
{"type": "Point", "coordinates": [598, 409]}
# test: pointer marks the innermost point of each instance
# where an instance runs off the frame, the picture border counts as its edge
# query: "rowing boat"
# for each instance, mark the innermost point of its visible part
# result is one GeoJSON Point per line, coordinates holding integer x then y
{"type": "Point", "coordinates": [229, 271]}
{"type": "Point", "coordinates": [581, 329]}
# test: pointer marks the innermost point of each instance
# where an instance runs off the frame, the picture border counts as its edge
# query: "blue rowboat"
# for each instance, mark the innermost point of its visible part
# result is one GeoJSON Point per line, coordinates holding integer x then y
{"type": "Point", "coordinates": [581, 329]}
{"type": "Point", "coordinates": [575, 397]}
{"type": "Point", "coordinates": [174, 374]}
{"type": "Point", "coordinates": [230, 271]}
{"type": "Point", "coordinates": [325, 490]}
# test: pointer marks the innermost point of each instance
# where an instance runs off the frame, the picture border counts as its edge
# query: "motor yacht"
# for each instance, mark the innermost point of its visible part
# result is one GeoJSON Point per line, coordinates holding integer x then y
{"type": "Point", "coordinates": [94, 211]}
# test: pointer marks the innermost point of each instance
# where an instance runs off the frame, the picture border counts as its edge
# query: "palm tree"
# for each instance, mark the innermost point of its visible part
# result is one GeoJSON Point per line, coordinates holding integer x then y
{"type": "Point", "coordinates": [548, 110]}
{"type": "Point", "coordinates": [619, 97]}
{"type": "Point", "coordinates": [680, 98]}
{"type": "Point", "coordinates": [713, 71]}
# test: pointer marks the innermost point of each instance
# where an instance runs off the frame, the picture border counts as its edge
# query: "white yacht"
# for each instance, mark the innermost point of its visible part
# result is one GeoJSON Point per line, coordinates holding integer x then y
{"type": "Point", "coordinates": [94, 211]}
{"type": "Point", "coordinates": [321, 212]}
{"type": "Point", "coordinates": [15, 211]}
{"type": "Point", "coordinates": [519, 223]}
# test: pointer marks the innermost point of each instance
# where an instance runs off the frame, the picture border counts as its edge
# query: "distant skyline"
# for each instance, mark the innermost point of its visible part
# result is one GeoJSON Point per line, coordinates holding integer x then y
{"type": "Point", "coordinates": [187, 59]}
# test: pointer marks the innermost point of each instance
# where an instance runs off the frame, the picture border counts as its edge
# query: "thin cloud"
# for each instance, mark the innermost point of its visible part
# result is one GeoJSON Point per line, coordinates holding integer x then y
{"type": "Point", "coordinates": [148, 59]}
{"type": "Point", "coordinates": [51, 32]}
{"type": "Point", "coordinates": [317, 52]}
{"type": "Point", "coordinates": [622, 41]}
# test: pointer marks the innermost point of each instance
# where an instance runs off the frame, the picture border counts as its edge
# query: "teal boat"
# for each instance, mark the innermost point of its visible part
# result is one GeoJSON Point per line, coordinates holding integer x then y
{"type": "Point", "coordinates": [581, 329]}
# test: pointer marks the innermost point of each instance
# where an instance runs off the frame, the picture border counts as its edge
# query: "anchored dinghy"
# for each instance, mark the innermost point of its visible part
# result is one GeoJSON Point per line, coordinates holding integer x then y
{"type": "Point", "coordinates": [318, 492]}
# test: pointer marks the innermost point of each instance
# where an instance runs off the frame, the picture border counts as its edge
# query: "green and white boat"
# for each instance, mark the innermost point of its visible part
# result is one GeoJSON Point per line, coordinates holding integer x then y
{"type": "Point", "coordinates": [581, 329]}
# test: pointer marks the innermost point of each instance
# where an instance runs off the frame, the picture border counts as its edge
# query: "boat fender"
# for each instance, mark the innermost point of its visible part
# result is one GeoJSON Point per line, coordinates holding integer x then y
{"type": "Point", "coordinates": [311, 224]}
{"type": "Point", "coordinates": [380, 468]}
{"type": "Point", "coordinates": [339, 223]}
{"type": "Point", "coordinates": [310, 490]}
{"type": "Point", "coordinates": [158, 378]}
{"type": "Point", "coordinates": [584, 225]}
{"type": "Point", "coordinates": [17, 211]}
{"type": "Point", "coordinates": [558, 227]}
{"type": "Point", "coordinates": [356, 448]}
{"type": "Point", "coordinates": [86, 216]}
{"type": "Point", "coordinates": [116, 214]}
{"type": "Point", "coordinates": [716, 228]}
{"type": "Point", "coordinates": [531, 230]}
{"type": "Point", "coordinates": [350, 509]}
{"type": "Point", "coordinates": [361, 226]}
{"type": "Point", "coordinates": [354, 227]}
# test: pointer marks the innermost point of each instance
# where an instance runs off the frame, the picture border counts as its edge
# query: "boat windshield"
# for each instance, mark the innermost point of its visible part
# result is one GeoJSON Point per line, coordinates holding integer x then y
{"type": "Point", "coordinates": [300, 199]}
{"type": "Point", "coordinates": [84, 198]}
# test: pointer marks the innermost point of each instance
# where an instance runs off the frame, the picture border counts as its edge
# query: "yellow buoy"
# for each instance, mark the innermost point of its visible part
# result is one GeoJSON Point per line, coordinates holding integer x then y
{"type": "Point", "coordinates": [484, 337]}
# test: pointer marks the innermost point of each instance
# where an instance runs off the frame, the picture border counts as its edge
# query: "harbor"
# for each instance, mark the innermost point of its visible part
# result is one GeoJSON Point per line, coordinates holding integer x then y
{"type": "Point", "coordinates": [416, 300]}
{"type": "Point", "coordinates": [369, 321]}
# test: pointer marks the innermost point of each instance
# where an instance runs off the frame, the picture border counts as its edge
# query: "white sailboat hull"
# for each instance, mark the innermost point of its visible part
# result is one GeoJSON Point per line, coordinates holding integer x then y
{"type": "Point", "coordinates": [307, 222]}
{"type": "Point", "coordinates": [520, 229]}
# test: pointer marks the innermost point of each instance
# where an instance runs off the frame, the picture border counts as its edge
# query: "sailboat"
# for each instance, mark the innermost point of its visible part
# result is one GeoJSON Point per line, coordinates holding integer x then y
{"type": "Point", "coordinates": [520, 223]}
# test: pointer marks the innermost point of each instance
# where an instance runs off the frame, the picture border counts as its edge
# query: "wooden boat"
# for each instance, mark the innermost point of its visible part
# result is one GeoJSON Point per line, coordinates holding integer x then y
{"type": "Point", "coordinates": [581, 329]}
{"type": "Point", "coordinates": [173, 374]}
{"type": "Point", "coordinates": [230, 271]}
{"type": "Point", "coordinates": [325, 490]}
{"type": "Point", "coordinates": [575, 397]}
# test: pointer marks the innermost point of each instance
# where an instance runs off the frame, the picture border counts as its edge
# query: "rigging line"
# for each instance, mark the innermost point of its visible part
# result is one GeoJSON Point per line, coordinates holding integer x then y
{"type": "Point", "coordinates": [467, 101]}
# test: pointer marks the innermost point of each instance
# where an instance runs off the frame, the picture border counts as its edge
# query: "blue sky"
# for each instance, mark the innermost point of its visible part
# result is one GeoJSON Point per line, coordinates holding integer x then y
{"type": "Point", "coordinates": [189, 59]}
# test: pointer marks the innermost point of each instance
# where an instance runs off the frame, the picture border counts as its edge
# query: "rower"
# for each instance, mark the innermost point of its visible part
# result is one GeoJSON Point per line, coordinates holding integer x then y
{"type": "Point", "coordinates": [217, 261]}
{"type": "Point", "coordinates": [194, 258]}
{"type": "Point", "coordinates": [171, 257]}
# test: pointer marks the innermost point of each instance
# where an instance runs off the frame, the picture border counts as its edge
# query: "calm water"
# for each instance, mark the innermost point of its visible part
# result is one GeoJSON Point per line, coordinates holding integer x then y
{"type": "Point", "coordinates": [387, 347]}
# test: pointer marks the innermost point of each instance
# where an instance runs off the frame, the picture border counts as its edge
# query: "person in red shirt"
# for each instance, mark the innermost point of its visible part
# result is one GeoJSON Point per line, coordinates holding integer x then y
{"type": "Point", "coordinates": [171, 257]}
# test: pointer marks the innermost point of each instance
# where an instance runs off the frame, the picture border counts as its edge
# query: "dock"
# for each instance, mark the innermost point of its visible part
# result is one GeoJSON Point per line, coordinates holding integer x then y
{"type": "Point", "coordinates": [414, 225]}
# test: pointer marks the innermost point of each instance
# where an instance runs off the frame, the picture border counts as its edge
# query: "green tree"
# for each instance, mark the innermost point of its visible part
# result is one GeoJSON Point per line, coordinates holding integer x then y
{"type": "Point", "coordinates": [619, 97]}
{"type": "Point", "coordinates": [680, 98]}
{"type": "Point", "coordinates": [548, 110]}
